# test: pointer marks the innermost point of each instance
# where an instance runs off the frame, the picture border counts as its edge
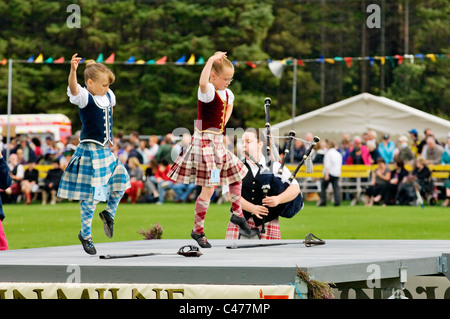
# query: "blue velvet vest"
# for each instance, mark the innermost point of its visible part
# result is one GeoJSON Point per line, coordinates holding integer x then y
{"type": "Point", "coordinates": [96, 122]}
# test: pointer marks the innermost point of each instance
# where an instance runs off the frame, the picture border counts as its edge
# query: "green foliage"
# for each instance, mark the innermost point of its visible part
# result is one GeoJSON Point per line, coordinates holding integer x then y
{"type": "Point", "coordinates": [156, 99]}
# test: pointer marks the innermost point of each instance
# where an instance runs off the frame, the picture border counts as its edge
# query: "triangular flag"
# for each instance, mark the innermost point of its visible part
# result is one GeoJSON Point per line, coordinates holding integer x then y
{"type": "Point", "coordinates": [39, 59]}
{"type": "Point", "coordinates": [151, 61]}
{"type": "Point", "coordinates": [348, 60]}
{"type": "Point", "coordinates": [400, 58]}
{"type": "Point", "coordinates": [130, 60]}
{"type": "Point", "coordinates": [201, 60]}
{"type": "Point", "coordinates": [60, 60]}
{"type": "Point", "coordinates": [99, 58]}
{"type": "Point", "coordinates": [420, 55]}
{"type": "Point", "coordinates": [251, 64]}
{"type": "Point", "coordinates": [300, 62]}
{"type": "Point", "coordinates": [321, 60]}
{"type": "Point", "coordinates": [410, 57]}
{"type": "Point", "coordinates": [391, 59]}
{"type": "Point", "coordinates": [3, 62]}
{"type": "Point", "coordinates": [31, 59]}
{"type": "Point", "coordinates": [371, 60]}
{"type": "Point", "coordinates": [181, 60]}
{"type": "Point", "coordinates": [83, 60]}
{"type": "Point", "coordinates": [162, 60]}
{"type": "Point", "coordinates": [111, 58]}
{"type": "Point", "coordinates": [191, 60]}
{"type": "Point", "coordinates": [431, 56]}
{"type": "Point", "coordinates": [329, 61]}
{"type": "Point", "coordinates": [381, 58]}
{"type": "Point", "coordinates": [140, 62]}
{"type": "Point", "coordinates": [49, 60]}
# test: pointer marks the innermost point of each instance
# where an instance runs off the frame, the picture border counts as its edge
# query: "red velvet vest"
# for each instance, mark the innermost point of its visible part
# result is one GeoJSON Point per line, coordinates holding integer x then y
{"type": "Point", "coordinates": [211, 116]}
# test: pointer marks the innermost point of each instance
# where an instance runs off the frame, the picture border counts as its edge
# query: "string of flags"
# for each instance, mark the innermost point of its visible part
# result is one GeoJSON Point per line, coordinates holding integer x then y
{"type": "Point", "coordinates": [252, 64]}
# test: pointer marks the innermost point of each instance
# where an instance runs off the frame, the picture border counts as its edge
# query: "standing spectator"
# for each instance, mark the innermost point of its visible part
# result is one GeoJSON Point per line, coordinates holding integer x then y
{"type": "Point", "coordinates": [415, 142]}
{"type": "Point", "coordinates": [51, 183]}
{"type": "Point", "coordinates": [423, 174]}
{"type": "Point", "coordinates": [332, 164]}
{"type": "Point", "coordinates": [446, 155]}
{"type": "Point", "coordinates": [149, 186]}
{"type": "Point", "coordinates": [28, 153]}
{"type": "Point", "coordinates": [165, 150]}
{"type": "Point", "coordinates": [136, 179]}
{"type": "Point", "coordinates": [36, 146]}
{"type": "Point", "coordinates": [5, 182]}
{"type": "Point", "coordinates": [30, 184]}
{"type": "Point", "coordinates": [386, 149]}
{"type": "Point", "coordinates": [432, 151]}
{"type": "Point", "coordinates": [378, 186]}
{"type": "Point", "coordinates": [16, 172]}
{"type": "Point", "coordinates": [358, 154]}
{"type": "Point", "coordinates": [153, 147]}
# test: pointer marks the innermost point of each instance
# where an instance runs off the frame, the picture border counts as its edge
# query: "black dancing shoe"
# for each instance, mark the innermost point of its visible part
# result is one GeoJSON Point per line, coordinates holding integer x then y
{"type": "Point", "coordinates": [108, 223]}
{"type": "Point", "coordinates": [88, 245]}
{"type": "Point", "coordinates": [244, 229]}
{"type": "Point", "coordinates": [201, 240]}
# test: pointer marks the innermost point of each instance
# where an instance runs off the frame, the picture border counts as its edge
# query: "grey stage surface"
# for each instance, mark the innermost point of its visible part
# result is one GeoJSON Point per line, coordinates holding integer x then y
{"type": "Point", "coordinates": [337, 261]}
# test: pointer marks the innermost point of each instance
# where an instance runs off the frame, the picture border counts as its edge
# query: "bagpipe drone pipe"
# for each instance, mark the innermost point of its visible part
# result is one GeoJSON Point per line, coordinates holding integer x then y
{"type": "Point", "coordinates": [272, 184]}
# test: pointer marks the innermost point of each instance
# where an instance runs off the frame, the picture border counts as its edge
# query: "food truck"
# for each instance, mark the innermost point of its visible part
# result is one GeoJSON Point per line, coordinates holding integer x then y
{"type": "Point", "coordinates": [40, 125]}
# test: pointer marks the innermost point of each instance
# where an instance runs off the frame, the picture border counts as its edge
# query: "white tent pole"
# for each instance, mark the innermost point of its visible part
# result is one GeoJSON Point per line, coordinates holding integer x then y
{"type": "Point", "coordinates": [294, 101]}
{"type": "Point", "coordinates": [8, 134]}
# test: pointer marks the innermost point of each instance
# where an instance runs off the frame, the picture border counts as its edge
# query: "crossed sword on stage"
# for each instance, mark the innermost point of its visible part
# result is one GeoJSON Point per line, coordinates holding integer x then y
{"type": "Point", "coordinates": [194, 251]}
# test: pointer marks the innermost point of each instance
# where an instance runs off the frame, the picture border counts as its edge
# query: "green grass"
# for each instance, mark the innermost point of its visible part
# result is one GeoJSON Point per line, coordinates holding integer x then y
{"type": "Point", "coordinates": [44, 226]}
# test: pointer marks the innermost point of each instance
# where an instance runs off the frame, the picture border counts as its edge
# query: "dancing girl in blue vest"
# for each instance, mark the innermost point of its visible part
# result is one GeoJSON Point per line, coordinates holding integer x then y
{"type": "Point", "coordinates": [94, 173]}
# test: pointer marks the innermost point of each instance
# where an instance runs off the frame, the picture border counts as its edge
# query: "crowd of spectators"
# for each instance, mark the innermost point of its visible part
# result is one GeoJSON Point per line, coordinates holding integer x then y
{"type": "Point", "coordinates": [148, 160]}
{"type": "Point", "coordinates": [390, 182]}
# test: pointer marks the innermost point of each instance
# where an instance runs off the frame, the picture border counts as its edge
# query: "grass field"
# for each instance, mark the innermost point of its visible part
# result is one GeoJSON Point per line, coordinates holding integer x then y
{"type": "Point", "coordinates": [43, 226]}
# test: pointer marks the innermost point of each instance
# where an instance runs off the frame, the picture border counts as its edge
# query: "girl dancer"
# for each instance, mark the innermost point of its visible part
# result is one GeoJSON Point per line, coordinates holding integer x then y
{"type": "Point", "coordinates": [94, 173]}
{"type": "Point", "coordinates": [205, 161]}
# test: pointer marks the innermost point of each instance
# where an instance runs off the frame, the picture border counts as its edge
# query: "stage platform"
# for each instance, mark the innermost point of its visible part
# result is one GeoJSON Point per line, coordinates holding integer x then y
{"type": "Point", "coordinates": [338, 261]}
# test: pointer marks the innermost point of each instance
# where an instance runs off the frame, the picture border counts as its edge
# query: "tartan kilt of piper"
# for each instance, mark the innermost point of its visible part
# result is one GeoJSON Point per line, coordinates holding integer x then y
{"type": "Point", "coordinates": [272, 229]}
{"type": "Point", "coordinates": [206, 152]}
{"type": "Point", "coordinates": [92, 165]}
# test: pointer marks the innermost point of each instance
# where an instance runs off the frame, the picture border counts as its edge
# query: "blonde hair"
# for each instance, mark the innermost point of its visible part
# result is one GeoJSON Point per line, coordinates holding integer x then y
{"type": "Point", "coordinates": [93, 69]}
{"type": "Point", "coordinates": [218, 67]}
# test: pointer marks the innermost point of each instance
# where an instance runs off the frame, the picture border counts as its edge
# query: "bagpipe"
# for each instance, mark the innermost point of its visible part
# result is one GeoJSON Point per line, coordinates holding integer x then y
{"type": "Point", "coordinates": [272, 184]}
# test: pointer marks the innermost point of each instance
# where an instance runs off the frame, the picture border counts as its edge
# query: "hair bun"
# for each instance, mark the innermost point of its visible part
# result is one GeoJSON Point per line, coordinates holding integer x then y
{"type": "Point", "coordinates": [90, 62]}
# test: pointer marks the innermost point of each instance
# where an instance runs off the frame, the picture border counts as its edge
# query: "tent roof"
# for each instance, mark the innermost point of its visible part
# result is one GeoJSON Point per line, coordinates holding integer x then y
{"type": "Point", "coordinates": [361, 113]}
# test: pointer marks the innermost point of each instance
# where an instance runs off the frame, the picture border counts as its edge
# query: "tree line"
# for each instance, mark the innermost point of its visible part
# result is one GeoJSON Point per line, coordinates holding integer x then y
{"type": "Point", "coordinates": [155, 99]}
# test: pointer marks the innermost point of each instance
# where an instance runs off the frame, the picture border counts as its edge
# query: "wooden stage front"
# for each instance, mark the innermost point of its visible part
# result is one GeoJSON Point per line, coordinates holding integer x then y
{"type": "Point", "coordinates": [338, 261]}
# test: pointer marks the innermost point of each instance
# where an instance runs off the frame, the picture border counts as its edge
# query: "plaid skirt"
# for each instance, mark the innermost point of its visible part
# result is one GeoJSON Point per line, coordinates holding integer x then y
{"type": "Point", "coordinates": [92, 165]}
{"type": "Point", "coordinates": [206, 152]}
{"type": "Point", "coordinates": [272, 230]}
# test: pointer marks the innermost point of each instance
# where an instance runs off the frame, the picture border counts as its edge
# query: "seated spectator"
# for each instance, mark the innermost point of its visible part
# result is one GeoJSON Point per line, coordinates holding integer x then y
{"type": "Point", "coordinates": [183, 191]}
{"type": "Point", "coordinates": [30, 183]}
{"type": "Point", "coordinates": [446, 155]}
{"type": "Point", "coordinates": [358, 154]}
{"type": "Point", "coordinates": [398, 176]}
{"type": "Point", "coordinates": [446, 202]}
{"type": "Point", "coordinates": [161, 179]}
{"type": "Point", "coordinates": [406, 194]}
{"type": "Point", "coordinates": [405, 152]}
{"type": "Point", "coordinates": [298, 151]}
{"type": "Point", "coordinates": [386, 148]}
{"type": "Point", "coordinates": [377, 189]}
{"type": "Point", "coordinates": [136, 179]}
{"type": "Point", "coordinates": [432, 151]}
{"type": "Point", "coordinates": [28, 153]}
{"type": "Point", "coordinates": [150, 187]}
{"type": "Point", "coordinates": [51, 183]}
{"type": "Point", "coordinates": [423, 174]}
{"type": "Point", "coordinates": [373, 151]}
{"type": "Point", "coordinates": [165, 150]}
{"type": "Point", "coordinates": [17, 173]}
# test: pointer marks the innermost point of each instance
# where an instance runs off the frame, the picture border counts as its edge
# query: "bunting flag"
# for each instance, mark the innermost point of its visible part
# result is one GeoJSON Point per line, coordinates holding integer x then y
{"type": "Point", "coordinates": [99, 58]}
{"type": "Point", "coordinates": [111, 58]}
{"type": "Point", "coordinates": [162, 60]}
{"type": "Point", "coordinates": [39, 59]}
{"type": "Point", "coordinates": [191, 60]}
{"type": "Point", "coordinates": [181, 60]}
{"type": "Point", "coordinates": [393, 60]}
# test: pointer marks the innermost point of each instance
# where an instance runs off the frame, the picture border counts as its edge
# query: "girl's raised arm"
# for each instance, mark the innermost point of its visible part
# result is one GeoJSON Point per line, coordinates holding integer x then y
{"type": "Point", "coordinates": [73, 83]}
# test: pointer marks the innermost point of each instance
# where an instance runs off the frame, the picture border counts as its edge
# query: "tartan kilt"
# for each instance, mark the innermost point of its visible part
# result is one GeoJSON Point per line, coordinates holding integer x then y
{"type": "Point", "coordinates": [206, 152]}
{"type": "Point", "coordinates": [92, 165]}
{"type": "Point", "coordinates": [272, 229]}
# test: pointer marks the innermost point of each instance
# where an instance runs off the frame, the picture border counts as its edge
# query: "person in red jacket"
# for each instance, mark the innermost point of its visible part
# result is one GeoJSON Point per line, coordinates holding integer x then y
{"type": "Point", "coordinates": [5, 182]}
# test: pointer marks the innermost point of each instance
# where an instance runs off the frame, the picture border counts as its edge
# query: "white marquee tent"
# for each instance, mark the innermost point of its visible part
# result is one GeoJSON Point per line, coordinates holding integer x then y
{"type": "Point", "coordinates": [361, 113]}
